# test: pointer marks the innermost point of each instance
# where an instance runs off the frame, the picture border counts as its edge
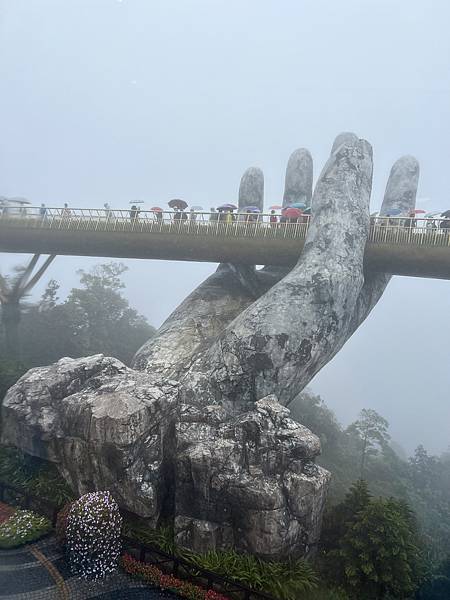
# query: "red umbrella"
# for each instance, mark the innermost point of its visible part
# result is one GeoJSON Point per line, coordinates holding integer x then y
{"type": "Point", "coordinates": [292, 213]}
{"type": "Point", "coordinates": [275, 207]}
{"type": "Point", "coordinates": [156, 209]}
{"type": "Point", "coordinates": [418, 211]}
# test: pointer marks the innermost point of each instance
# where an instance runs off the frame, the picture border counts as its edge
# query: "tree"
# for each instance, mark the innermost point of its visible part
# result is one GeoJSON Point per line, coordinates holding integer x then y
{"type": "Point", "coordinates": [380, 552]}
{"type": "Point", "coordinates": [95, 318]}
{"type": "Point", "coordinates": [12, 291]}
{"type": "Point", "coordinates": [371, 428]}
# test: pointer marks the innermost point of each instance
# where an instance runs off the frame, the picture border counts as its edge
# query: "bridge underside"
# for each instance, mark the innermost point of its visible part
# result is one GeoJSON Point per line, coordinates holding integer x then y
{"type": "Point", "coordinates": [410, 259]}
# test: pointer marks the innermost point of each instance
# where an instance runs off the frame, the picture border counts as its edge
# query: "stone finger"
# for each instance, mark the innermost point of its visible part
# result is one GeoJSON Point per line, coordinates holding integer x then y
{"type": "Point", "coordinates": [283, 339]}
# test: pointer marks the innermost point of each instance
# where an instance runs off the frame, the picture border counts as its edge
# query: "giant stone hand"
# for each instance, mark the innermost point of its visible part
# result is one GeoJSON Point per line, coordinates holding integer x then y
{"type": "Point", "coordinates": [197, 431]}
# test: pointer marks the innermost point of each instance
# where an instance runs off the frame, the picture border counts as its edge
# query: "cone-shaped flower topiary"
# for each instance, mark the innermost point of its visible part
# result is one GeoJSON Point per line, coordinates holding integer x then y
{"type": "Point", "coordinates": [93, 535]}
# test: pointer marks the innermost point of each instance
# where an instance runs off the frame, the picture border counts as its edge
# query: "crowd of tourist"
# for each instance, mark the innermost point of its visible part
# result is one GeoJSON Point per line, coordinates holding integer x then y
{"type": "Point", "coordinates": [228, 214]}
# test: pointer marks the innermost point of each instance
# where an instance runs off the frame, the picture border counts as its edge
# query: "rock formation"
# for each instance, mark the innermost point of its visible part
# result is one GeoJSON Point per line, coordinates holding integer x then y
{"type": "Point", "coordinates": [198, 430]}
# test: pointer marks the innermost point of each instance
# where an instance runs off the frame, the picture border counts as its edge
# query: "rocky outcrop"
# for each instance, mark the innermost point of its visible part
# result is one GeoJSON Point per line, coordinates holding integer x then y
{"type": "Point", "coordinates": [104, 425]}
{"type": "Point", "coordinates": [197, 430]}
{"type": "Point", "coordinates": [249, 482]}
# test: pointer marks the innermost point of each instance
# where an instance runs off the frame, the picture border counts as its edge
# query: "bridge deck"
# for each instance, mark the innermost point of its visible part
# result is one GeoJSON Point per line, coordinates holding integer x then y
{"type": "Point", "coordinates": [420, 251]}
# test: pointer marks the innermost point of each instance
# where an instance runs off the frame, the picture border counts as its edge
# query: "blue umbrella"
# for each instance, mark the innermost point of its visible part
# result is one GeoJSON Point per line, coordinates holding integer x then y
{"type": "Point", "coordinates": [251, 209]}
{"type": "Point", "coordinates": [393, 212]}
{"type": "Point", "coordinates": [300, 205]}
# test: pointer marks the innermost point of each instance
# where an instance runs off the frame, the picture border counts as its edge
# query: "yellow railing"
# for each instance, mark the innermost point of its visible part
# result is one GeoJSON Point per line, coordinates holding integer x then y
{"type": "Point", "coordinates": [384, 230]}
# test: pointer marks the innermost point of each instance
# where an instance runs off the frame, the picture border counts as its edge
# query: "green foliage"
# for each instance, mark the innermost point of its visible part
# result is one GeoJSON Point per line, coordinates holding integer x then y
{"type": "Point", "coordinates": [33, 475]}
{"type": "Point", "coordinates": [95, 318]}
{"type": "Point", "coordinates": [371, 431]}
{"type": "Point", "coordinates": [423, 481]}
{"type": "Point", "coordinates": [286, 581]}
{"type": "Point", "coordinates": [372, 546]}
{"type": "Point", "coordinates": [22, 527]}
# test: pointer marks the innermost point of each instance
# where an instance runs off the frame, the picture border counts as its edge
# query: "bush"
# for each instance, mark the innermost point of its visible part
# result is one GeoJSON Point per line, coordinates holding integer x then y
{"type": "Point", "coordinates": [94, 535]}
{"type": "Point", "coordinates": [22, 527]}
{"type": "Point", "coordinates": [154, 576]}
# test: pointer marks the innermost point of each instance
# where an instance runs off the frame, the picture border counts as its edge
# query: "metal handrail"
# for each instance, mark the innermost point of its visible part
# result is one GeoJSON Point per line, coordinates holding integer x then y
{"type": "Point", "coordinates": [383, 230]}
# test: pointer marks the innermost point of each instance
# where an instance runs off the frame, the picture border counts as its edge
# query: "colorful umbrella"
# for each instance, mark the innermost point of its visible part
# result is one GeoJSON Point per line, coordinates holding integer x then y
{"type": "Point", "coordinates": [300, 205]}
{"type": "Point", "coordinates": [392, 212]}
{"type": "Point", "coordinates": [177, 203]}
{"type": "Point", "coordinates": [253, 209]}
{"type": "Point", "coordinates": [292, 213]}
{"type": "Point", "coordinates": [419, 211]}
{"type": "Point", "coordinates": [275, 207]}
{"type": "Point", "coordinates": [227, 207]}
{"type": "Point", "coordinates": [307, 211]}
{"type": "Point", "coordinates": [156, 209]}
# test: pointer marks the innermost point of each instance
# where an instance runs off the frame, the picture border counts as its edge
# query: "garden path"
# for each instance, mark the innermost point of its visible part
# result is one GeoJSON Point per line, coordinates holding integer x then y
{"type": "Point", "coordinates": [39, 572]}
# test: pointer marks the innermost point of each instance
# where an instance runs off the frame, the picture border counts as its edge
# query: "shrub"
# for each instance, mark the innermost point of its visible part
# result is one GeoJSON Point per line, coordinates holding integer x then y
{"type": "Point", "coordinates": [154, 576]}
{"type": "Point", "coordinates": [22, 527]}
{"type": "Point", "coordinates": [283, 580]}
{"type": "Point", "coordinates": [93, 535]}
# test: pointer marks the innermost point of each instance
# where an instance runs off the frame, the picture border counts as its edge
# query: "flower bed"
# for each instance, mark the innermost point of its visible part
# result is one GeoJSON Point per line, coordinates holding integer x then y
{"type": "Point", "coordinates": [154, 576]}
{"type": "Point", "coordinates": [22, 527]}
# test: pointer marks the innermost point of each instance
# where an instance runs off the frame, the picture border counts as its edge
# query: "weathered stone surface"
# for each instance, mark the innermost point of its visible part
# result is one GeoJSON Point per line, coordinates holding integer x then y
{"type": "Point", "coordinates": [401, 188]}
{"type": "Point", "coordinates": [251, 188]}
{"type": "Point", "coordinates": [249, 482]}
{"type": "Point", "coordinates": [284, 338]}
{"type": "Point", "coordinates": [346, 137]}
{"type": "Point", "coordinates": [104, 425]}
{"type": "Point", "coordinates": [299, 178]}
{"type": "Point", "coordinates": [194, 432]}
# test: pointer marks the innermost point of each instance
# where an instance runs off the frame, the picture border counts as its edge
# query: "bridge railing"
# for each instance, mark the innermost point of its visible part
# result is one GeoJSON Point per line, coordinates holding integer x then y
{"type": "Point", "coordinates": [384, 230]}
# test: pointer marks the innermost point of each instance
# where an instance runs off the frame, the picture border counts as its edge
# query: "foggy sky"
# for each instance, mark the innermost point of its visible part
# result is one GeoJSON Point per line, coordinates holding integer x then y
{"type": "Point", "coordinates": [114, 101]}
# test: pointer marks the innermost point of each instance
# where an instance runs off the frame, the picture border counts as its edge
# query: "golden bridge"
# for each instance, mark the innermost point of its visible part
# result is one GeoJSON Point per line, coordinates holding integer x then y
{"type": "Point", "coordinates": [418, 248]}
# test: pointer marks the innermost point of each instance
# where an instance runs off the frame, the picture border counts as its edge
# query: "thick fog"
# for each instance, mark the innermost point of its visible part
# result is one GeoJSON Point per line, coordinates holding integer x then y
{"type": "Point", "coordinates": [119, 100]}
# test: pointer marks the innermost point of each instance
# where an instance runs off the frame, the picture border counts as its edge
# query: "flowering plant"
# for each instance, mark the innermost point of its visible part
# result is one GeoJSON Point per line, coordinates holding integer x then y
{"type": "Point", "coordinates": [22, 527]}
{"type": "Point", "coordinates": [93, 533]}
{"type": "Point", "coordinates": [154, 576]}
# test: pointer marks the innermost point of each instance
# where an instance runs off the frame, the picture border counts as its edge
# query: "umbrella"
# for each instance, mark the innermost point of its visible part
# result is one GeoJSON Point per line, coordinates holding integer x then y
{"type": "Point", "coordinates": [227, 207]}
{"type": "Point", "coordinates": [392, 212]}
{"type": "Point", "coordinates": [292, 213]}
{"type": "Point", "coordinates": [156, 209]}
{"type": "Point", "coordinates": [307, 211]}
{"type": "Point", "coordinates": [197, 208]}
{"type": "Point", "coordinates": [419, 211]}
{"type": "Point", "coordinates": [275, 207]}
{"type": "Point", "coordinates": [446, 214]}
{"type": "Point", "coordinates": [177, 203]}
{"type": "Point", "coordinates": [136, 202]}
{"type": "Point", "coordinates": [301, 205]}
{"type": "Point", "coordinates": [251, 209]}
